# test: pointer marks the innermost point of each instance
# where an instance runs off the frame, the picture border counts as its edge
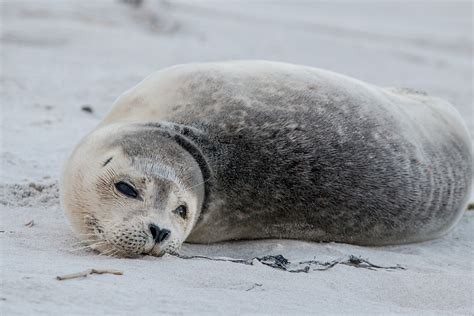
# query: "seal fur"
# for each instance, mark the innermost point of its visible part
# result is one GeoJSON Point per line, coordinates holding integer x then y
{"type": "Point", "coordinates": [286, 151]}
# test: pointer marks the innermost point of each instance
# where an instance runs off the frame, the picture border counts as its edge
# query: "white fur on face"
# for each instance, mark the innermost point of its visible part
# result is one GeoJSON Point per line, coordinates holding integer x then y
{"type": "Point", "coordinates": [117, 225]}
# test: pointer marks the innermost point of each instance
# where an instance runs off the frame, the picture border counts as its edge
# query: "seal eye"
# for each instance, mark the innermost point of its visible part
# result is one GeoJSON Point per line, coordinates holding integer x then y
{"type": "Point", "coordinates": [126, 189]}
{"type": "Point", "coordinates": [182, 211]}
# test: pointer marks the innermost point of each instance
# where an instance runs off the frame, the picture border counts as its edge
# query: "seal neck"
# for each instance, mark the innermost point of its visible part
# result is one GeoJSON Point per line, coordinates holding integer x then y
{"type": "Point", "coordinates": [187, 138]}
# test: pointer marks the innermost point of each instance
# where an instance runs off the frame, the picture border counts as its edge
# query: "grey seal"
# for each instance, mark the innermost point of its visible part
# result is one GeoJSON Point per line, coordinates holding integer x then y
{"type": "Point", "coordinates": [209, 152]}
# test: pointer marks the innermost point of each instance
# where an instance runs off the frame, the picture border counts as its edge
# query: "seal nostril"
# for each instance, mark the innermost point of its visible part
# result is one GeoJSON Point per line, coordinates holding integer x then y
{"type": "Point", "coordinates": [163, 235]}
{"type": "Point", "coordinates": [155, 231]}
{"type": "Point", "coordinates": [159, 235]}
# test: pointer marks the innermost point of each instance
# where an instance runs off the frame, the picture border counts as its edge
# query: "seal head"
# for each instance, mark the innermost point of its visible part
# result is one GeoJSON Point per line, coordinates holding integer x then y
{"type": "Point", "coordinates": [131, 190]}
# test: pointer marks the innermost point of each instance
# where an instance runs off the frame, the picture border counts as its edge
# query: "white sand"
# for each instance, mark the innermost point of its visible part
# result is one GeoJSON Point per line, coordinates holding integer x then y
{"type": "Point", "coordinates": [60, 55]}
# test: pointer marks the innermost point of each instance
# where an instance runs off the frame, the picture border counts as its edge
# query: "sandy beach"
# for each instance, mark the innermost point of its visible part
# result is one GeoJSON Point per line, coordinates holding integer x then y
{"type": "Point", "coordinates": [63, 63]}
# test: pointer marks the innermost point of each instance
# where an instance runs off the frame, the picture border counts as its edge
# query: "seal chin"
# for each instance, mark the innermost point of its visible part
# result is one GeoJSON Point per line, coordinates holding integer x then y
{"type": "Point", "coordinates": [160, 250]}
{"type": "Point", "coordinates": [157, 252]}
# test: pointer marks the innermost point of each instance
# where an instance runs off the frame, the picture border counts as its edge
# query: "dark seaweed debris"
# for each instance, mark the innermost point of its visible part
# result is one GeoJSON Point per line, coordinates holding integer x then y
{"type": "Point", "coordinates": [281, 263]}
{"type": "Point", "coordinates": [87, 108]}
{"type": "Point", "coordinates": [253, 286]}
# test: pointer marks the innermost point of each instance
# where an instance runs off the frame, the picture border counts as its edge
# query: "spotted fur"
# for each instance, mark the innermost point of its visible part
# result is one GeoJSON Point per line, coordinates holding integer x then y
{"type": "Point", "coordinates": [287, 151]}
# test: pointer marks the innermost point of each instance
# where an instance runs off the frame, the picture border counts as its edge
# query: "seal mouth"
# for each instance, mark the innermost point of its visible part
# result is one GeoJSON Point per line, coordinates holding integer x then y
{"type": "Point", "coordinates": [117, 242]}
{"type": "Point", "coordinates": [156, 251]}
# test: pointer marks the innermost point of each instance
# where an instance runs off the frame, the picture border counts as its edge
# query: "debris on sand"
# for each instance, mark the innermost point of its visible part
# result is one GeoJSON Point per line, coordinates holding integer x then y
{"type": "Point", "coordinates": [281, 263]}
{"type": "Point", "coordinates": [87, 108]}
{"type": "Point", "coordinates": [253, 286]}
{"type": "Point", "coordinates": [86, 273]}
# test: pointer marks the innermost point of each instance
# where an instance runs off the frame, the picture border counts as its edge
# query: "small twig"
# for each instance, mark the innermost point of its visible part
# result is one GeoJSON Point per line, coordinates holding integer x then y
{"type": "Point", "coordinates": [30, 223]}
{"type": "Point", "coordinates": [86, 273]}
{"type": "Point", "coordinates": [253, 286]}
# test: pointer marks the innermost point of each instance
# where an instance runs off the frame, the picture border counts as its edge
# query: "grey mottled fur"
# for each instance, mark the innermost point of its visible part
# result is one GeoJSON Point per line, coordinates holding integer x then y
{"type": "Point", "coordinates": [306, 154]}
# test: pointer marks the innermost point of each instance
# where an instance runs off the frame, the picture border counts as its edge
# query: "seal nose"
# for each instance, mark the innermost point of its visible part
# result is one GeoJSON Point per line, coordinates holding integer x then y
{"type": "Point", "coordinates": [159, 235]}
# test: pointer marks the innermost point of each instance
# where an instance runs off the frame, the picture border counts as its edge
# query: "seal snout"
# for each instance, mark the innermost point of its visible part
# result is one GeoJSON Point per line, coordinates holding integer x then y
{"type": "Point", "coordinates": [159, 235]}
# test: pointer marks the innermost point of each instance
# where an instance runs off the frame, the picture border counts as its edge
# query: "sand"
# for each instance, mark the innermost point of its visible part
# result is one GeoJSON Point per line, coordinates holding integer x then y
{"type": "Point", "coordinates": [58, 57]}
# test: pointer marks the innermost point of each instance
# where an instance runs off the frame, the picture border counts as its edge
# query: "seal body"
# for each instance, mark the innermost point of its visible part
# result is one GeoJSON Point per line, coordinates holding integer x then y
{"type": "Point", "coordinates": [287, 151]}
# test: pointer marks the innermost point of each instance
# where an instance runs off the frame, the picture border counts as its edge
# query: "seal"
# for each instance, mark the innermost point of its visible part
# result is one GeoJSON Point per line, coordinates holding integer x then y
{"type": "Point", "coordinates": [210, 152]}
